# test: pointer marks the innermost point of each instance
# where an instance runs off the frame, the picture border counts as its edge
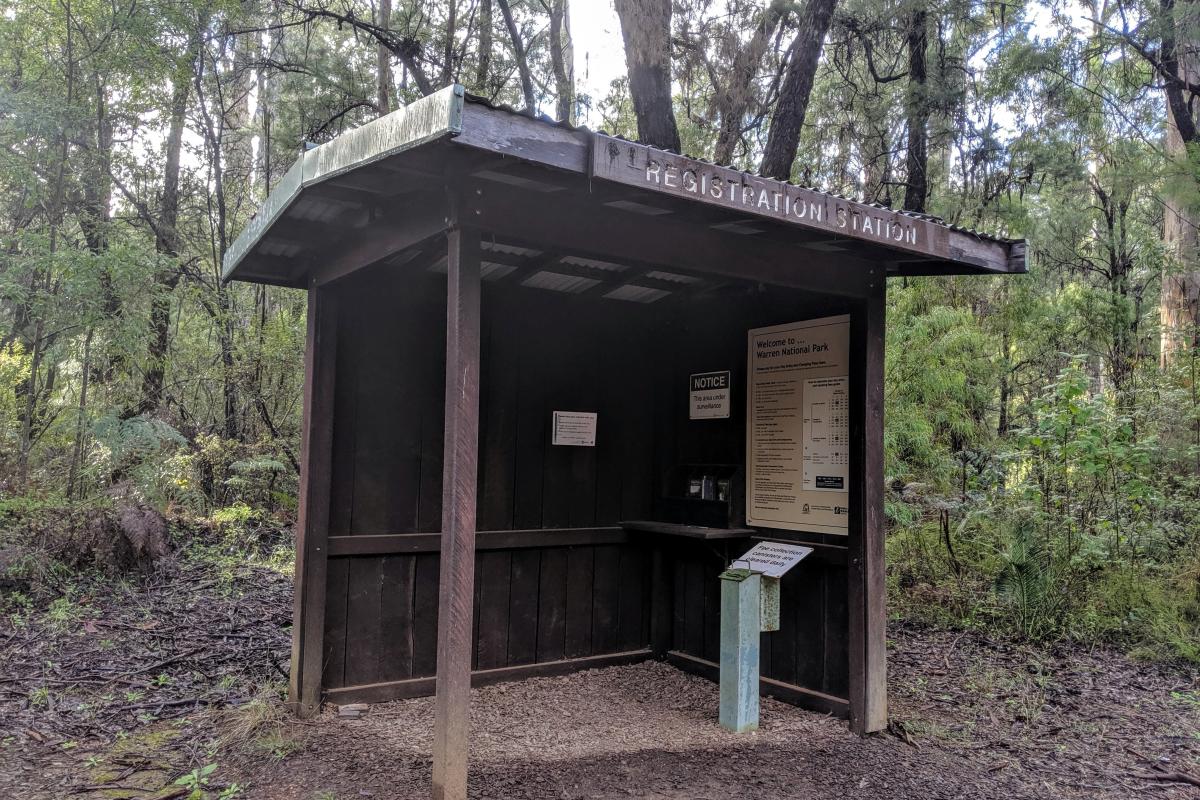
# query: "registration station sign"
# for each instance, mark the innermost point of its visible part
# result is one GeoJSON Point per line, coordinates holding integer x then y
{"type": "Point", "coordinates": [656, 170]}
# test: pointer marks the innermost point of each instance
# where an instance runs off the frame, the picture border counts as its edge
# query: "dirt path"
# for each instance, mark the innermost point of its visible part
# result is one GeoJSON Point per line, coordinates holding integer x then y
{"type": "Point", "coordinates": [142, 685]}
{"type": "Point", "coordinates": [650, 731]}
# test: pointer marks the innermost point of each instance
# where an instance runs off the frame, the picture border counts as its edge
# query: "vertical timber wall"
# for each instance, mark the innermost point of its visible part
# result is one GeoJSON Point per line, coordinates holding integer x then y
{"type": "Point", "coordinates": [558, 584]}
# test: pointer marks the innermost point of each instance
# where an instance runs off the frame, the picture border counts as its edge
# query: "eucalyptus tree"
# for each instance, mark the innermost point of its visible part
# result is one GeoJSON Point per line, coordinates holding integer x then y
{"type": "Point", "coordinates": [787, 121]}
{"type": "Point", "coordinates": [646, 30]}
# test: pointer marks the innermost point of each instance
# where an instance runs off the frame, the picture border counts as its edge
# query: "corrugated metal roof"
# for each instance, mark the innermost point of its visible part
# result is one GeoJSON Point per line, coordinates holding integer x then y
{"type": "Point", "coordinates": [542, 118]}
{"type": "Point", "coordinates": [275, 252]}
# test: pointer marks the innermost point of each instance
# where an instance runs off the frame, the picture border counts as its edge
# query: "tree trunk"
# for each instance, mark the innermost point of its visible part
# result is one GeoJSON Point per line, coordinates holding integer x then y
{"type": "Point", "coordinates": [784, 139]}
{"type": "Point", "coordinates": [81, 419]}
{"type": "Point", "coordinates": [448, 48]}
{"type": "Point", "coordinates": [222, 312]}
{"type": "Point", "coordinates": [646, 29]}
{"type": "Point", "coordinates": [519, 55]}
{"type": "Point", "coordinates": [94, 218]}
{"type": "Point", "coordinates": [484, 63]}
{"type": "Point", "coordinates": [733, 99]}
{"type": "Point", "coordinates": [383, 61]}
{"type": "Point", "coordinates": [916, 183]}
{"type": "Point", "coordinates": [1179, 302]}
{"type": "Point", "coordinates": [562, 60]}
{"type": "Point", "coordinates": [166, 243]}
{"type": "Point", "coordinates": [229, 387]}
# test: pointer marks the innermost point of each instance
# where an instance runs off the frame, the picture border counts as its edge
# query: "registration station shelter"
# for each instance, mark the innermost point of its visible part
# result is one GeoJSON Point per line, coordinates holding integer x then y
{"type": "Point", "coordinates": [555, 382]}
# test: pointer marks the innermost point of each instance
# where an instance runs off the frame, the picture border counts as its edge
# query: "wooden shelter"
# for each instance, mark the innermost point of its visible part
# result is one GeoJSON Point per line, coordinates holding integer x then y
{"type": "Point", "coordinates": [471, 271]}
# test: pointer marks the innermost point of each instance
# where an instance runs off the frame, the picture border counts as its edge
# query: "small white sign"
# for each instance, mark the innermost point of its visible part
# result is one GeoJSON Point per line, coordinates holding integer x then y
{"type": "Point", "coordinates": [575, 428]}
{"type": "Point", "coordinates": [772, 558]}
{"type": "Point", "coordinates": [708, 395]}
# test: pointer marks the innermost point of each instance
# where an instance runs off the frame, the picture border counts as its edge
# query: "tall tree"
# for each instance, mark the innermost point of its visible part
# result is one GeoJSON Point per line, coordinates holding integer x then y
{"type": "Point", "coordinates": [916, 182]}
{"type": "Point", "coordinates": [646, 29]}
{"type": "Point", "coordinates": [166, 228]}
{"type": "Point", "coordinates": [1179, 66]}
{"type": "Point", "coordinates": [562, 56]}
{"type": "Point", "coordinates": [734, 90]}
{"type": "Point", "coordinates": [385, 88]}
{"type": "Point", "coordinates": [784, 138]}
{"type": "Point", "coordinates": [483, 64]}
{"type": "Point", "coordinates": [520, 54]}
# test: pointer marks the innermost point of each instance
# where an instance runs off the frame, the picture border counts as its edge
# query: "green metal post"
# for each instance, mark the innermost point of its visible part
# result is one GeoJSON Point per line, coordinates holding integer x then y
{"type": "Point", "coordinates": [740, 608]}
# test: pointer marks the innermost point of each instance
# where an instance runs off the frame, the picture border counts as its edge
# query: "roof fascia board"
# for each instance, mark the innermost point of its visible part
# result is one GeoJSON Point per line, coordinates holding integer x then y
{"type": "Point", "coordinates": [510, 133]}
{"type": "Point", "coordinates": [645, 168]}
{"type": "Point", "coordinates": [436, 116]}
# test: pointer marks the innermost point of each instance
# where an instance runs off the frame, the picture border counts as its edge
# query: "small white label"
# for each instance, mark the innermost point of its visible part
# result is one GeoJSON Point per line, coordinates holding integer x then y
{"type": "Point", "coordinates": [708, 395]}
{"type": "Point", "coordinates": [772, 558]}
{"type": "Point", "coordinates": [575, 428]}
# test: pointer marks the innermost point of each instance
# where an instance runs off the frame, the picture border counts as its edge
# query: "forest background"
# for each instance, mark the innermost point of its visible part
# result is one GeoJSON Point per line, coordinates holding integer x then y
{"type": "Point", "coordinates": [1042, 432]}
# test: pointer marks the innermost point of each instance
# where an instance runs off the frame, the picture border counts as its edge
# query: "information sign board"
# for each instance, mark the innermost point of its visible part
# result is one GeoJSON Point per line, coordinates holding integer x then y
{"type": "Point", "coordinates": [797, 426]}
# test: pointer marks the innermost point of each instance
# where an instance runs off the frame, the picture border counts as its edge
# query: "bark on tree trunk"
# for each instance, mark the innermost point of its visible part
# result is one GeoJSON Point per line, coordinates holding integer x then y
{"type": "Point", "coordinates": [784, 138]}
{"type": "Point", "coordinates": [562, 60]}
{"type": "Point", "coordinates": [733, 99]}
{"type": "Point", "coordinates": [484, 64]}
{"type": "Point", "coordinates": [166, 243]}
{"type": "Point", "coordinates": [384, 88]}
{"type": "Point", "coordinates": [519, 53]}
{"type": "Point", "coordinates": [81, 418]}
{"type": "Point", "coordinates": [448, 49]}
{"type": "Point", "coordinates": [646, 29]}
{"type": "Point", "coordinates": [916, 185]}
{"type": "Point", "coordinates": [97, 197]}
{"type": "Point", "coordinates": [1179, 301]}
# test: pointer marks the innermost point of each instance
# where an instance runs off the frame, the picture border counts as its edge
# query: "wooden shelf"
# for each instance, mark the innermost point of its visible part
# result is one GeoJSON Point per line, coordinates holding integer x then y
{"type": "Point", "coordinates": [688, 531]}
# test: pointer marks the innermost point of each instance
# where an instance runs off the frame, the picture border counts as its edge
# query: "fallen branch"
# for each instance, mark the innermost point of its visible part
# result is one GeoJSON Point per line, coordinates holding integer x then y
{"type": "Point", "coordinates": [1168, 777]}
{"type": "Point", "coordinates": [1161, 773]}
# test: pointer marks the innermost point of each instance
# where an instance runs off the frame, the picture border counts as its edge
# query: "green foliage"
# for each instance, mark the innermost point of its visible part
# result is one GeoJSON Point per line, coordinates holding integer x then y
{"type": "Point", "coordinates": [1089, 536]}
{"type": "Point", "coordinates": [196, 781]}
{"type": "Point", "coordinates": [1043, 472]}
{"type": "Point", "coordinates": [1028, 582]}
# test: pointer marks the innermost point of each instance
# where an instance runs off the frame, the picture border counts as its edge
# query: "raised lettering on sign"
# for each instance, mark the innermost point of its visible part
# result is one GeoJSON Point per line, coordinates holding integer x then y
{"type": "Point", "coordinates": [638, 165]}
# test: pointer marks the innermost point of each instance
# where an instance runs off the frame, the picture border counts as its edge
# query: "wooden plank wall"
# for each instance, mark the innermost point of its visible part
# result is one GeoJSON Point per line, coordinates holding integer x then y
{"type": "Point", "coordinates": [538, 603]}
{"type": "Point", "coordinates": [810, 651]}
{"type": "Point", "coordinates": [546, 601]}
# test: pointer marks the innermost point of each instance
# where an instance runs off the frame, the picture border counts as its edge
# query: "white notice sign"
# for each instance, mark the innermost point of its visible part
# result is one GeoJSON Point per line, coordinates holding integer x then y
{"type": "Point", "coordinates": [708, 395]}
{"type": "Point", "coordinates": [772, 558]}
{"type": "Point", "coordinates": [574, 428]}
{"type": "Point", "coordinates": [797, 426]}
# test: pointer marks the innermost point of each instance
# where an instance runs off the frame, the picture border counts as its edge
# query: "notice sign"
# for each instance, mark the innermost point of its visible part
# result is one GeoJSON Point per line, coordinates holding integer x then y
{"type": "Point", "coordinates": [797, 426]}
{"type": "Point", "coordinates": [574, 428]}
{"type": "Point", "coordinates": [708, 395]}
{"type": "Point", "coordinates": [772, 558]}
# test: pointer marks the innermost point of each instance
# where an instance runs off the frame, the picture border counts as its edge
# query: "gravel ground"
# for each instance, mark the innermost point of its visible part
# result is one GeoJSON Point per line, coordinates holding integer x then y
{"type": "Point", "coordinates": [972, 719]}
{"type": "Point", "coordinates": [142, 684]}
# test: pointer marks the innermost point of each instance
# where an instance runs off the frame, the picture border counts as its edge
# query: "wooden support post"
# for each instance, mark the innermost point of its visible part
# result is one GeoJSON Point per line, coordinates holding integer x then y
{"type": "Point", "coordinates": [459, 477]}
{"type": "Point", "coordinates": [662, 596]}
{"type": "Point", "coordinates": [312, 524]}
{"type": "Point", "coordinates": [866, 583]}
{"type": "Point", "coordinates": [740, 637]}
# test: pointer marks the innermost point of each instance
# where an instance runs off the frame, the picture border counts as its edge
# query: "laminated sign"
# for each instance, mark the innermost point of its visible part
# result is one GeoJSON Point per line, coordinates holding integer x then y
{"type": "Point", "coordinates": [708, 395]}
{"type": "Point", "coordinates": [797, 426]}
{"type": "Point", "coordinates": [772, 559]}
{"type": "Point", "coordinates": [574, 429]}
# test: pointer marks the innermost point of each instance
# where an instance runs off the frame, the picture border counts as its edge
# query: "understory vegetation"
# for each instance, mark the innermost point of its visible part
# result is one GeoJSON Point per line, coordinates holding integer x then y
{"type": "Point", "coordinates": [1079, 520]}
{"type": "Point", "coordinates": [1042, 431]}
